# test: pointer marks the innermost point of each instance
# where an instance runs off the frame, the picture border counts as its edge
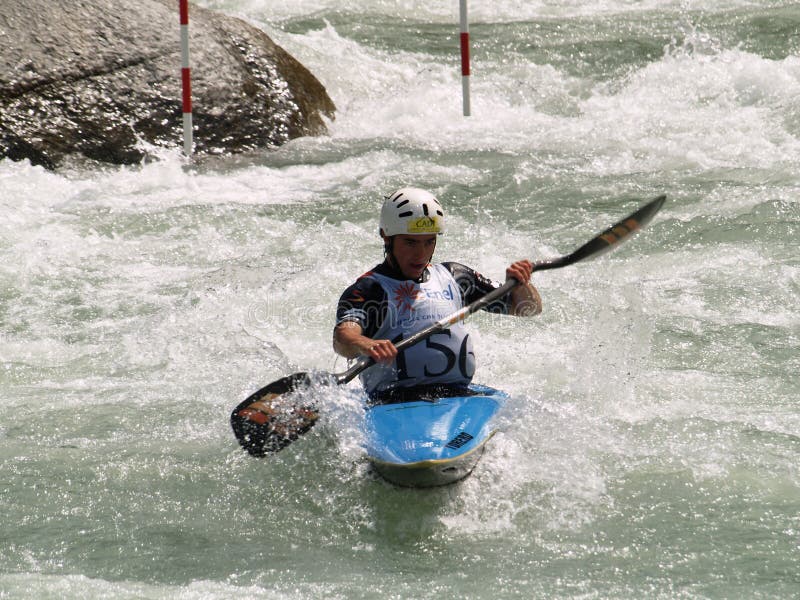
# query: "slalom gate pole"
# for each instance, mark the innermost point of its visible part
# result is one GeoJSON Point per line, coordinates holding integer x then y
{"type": "Point", "coordinates": [464, 57]}
{"type": "Point", "coordinates": [186, 79]}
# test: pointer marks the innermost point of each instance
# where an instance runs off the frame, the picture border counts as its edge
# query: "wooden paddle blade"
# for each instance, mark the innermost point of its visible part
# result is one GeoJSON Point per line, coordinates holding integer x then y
{"type": "Point", "coordinates": [273, 417]}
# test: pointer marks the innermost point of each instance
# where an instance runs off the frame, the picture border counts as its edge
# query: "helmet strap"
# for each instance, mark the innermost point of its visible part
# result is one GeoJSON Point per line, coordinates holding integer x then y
{"type": "Point", "coordinates": [388, 250]}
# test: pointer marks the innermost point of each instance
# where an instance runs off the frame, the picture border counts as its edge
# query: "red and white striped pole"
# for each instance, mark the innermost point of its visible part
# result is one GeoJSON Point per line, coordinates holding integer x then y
{"type": "Point", "coordinates": [464, 57]}
{"type": "Point", "coordinates": [186, 79]}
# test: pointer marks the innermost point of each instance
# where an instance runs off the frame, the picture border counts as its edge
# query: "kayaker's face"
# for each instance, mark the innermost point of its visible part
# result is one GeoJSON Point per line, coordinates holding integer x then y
{"type": "Point", "coordinates": [412, 253]}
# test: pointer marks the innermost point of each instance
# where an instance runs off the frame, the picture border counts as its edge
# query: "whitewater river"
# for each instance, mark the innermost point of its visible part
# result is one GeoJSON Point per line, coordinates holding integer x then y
{"type": "Point", "coordinates": [651, 446]}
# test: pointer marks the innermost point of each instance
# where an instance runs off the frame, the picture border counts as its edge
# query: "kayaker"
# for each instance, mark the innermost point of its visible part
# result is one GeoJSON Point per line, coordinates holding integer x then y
{"type": "Point", "coordinates": [407, 293]}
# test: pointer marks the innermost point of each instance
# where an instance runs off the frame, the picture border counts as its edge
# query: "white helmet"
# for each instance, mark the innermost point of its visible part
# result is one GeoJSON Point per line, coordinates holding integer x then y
{"type": "Point", "coordinates": [411, 211]}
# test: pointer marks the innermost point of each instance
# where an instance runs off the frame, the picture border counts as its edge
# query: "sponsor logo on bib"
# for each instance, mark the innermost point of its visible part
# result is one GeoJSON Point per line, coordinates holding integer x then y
{"type": "Point", "coordinates": [406, 295]}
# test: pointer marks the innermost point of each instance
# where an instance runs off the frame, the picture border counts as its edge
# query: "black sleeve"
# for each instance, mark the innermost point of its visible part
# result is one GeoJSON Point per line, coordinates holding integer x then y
{"type": "Point", "coordinates": [473, 285]}
{"type": "Point", "coordinates": [364, 303]}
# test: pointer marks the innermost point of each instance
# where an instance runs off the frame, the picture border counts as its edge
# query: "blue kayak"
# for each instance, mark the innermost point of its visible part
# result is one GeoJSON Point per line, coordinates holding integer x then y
{"type": "Point", "coordinates": [431, 441]}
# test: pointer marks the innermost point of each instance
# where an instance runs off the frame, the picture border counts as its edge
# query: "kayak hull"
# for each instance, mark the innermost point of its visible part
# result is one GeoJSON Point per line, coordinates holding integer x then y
{"type": "Point", "coordinates": [431, 442]}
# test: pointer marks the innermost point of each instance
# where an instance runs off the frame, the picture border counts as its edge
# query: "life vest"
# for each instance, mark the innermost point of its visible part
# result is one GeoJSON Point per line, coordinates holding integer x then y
{"type": "Point", "coordinates": [443, 358]}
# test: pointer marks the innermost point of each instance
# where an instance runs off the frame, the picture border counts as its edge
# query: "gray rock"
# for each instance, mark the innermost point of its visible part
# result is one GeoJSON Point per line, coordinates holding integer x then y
{"type": "Point", "coordinates": [99, 77]}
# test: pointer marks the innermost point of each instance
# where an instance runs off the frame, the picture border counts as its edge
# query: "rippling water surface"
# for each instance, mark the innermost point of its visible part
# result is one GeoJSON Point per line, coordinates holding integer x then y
{"type": "Point", "coordinates": [652, 442]}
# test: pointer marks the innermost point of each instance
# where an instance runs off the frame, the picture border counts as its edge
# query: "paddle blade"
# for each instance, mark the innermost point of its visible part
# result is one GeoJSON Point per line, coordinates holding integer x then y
{"type": "Point", "coordinates": [274, 416]}
{"type": "Point", "coordinates": [618, 232]}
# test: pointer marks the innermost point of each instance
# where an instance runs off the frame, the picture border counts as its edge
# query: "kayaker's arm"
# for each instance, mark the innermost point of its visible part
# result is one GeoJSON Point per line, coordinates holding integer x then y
{"type": "Point", "coordinates": [525, 299]}
{"type": "Point", "coordinates": [349, 341]}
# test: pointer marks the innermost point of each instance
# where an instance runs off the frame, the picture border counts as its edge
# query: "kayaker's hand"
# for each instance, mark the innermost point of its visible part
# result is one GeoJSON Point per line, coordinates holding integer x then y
{"type": "Point", "coordinates": [381, 351]}
{"type": "Point", "coordinates": [520, 270]}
